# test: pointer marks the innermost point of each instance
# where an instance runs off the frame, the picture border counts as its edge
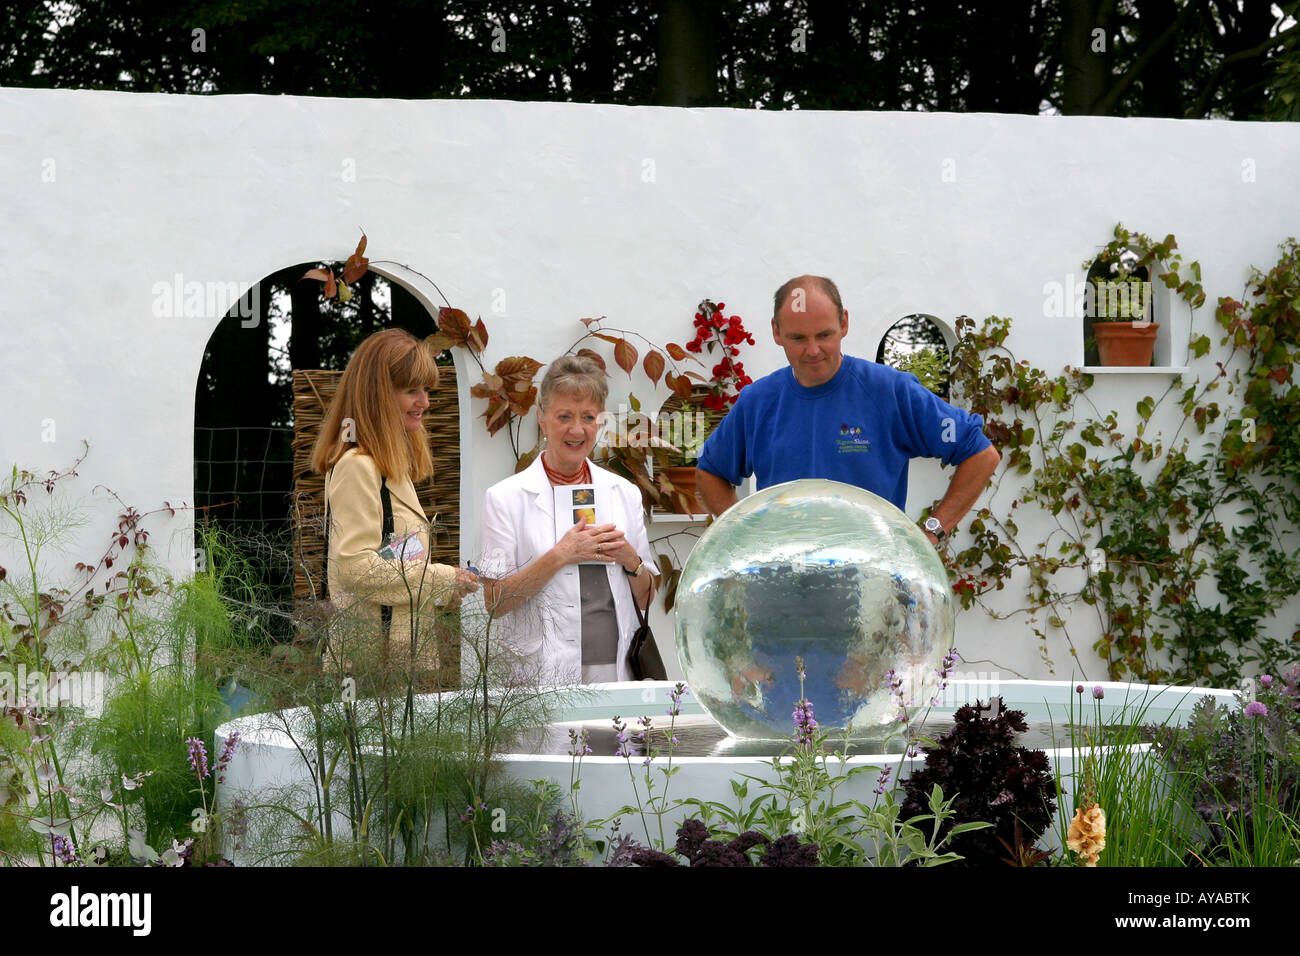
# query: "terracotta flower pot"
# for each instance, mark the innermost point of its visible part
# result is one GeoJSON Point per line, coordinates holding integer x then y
{"type": "Point", "coordinates": [683, 478]}
{"type": "Point", "coordinates": [1125, 343]}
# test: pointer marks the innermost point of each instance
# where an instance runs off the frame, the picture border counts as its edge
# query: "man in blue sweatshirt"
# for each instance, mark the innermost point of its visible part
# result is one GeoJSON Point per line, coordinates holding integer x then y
{"type": "Point", "coordinates": [835, 416]}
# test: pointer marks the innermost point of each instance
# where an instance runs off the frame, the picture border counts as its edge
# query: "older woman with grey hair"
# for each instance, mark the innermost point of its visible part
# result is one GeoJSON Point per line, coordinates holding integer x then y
{"type": "Point", "coordinates": [565, 597]}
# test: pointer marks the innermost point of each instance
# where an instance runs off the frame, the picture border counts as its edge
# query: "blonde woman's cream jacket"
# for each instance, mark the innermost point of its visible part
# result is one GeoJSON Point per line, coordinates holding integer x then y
{"type": "Point", "coordinates": [361, 581]}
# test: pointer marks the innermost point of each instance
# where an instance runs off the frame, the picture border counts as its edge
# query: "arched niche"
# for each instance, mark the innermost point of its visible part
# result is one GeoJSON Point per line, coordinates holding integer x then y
{"type": "Point", "coordinates": [911, 341]}
{"type": "Point", "coordinates": [1145, 293]}
{"type": "Point", "coordinates": [248, 460]}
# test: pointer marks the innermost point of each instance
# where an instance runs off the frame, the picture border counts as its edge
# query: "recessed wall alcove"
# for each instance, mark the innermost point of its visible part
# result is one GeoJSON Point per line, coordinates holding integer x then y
{"type": "Point", "coordinates": [268, 372]}
{"type": "Point", "coordinates": [912, 336]}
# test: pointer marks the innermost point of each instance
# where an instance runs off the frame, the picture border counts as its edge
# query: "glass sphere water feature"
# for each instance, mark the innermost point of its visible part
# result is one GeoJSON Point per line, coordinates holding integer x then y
{"type": "Point", "coordinates": [824, 571]}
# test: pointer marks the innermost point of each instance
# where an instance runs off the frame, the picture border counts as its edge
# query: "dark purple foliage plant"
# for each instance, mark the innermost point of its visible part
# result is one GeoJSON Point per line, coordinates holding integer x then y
{"type": "Point", "coordinates": [695, 848]}
{"type": "Point", "coordinates": [990, 779]}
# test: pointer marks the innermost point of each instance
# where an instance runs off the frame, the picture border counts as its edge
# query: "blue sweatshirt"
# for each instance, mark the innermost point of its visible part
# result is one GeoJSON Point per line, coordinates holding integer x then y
{"type": "Point", "coordinates": [862, 428]}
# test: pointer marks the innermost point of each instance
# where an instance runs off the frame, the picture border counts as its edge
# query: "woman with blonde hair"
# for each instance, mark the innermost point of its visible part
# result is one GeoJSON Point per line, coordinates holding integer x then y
{"type": "Point", "coordinates": [372, 448]}
{"type": "Point", "coordinates": [566, 599]}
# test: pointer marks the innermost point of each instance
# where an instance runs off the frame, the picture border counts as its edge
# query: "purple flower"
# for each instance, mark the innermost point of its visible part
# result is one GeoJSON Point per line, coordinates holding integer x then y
{"type": "Point", "coordinates": [1098, 692]}
{"type": "Point", "coordinates": [804, 722]}
{"type": "Point", "coordinates": [1078, 688]}
{"type": "Point", "coordinates": [64, 851]}
{"type": "Point", "coordinates": [675, 695]}
{"type": "Point", "coordinates": [1256, 709]}
{"type": "Point", "coordinates": [1266, 680]}
{"type": "Point", "coordinates": [642, 736]}
{"type": "Point", "coordinates": [198, 757]}
{"type": "Point", "coordinates": [945, 671]}
{"type": "Point", "coordinates": [470, 813]}
{"type": "Point", "coordinates": [620, 734]}
{"type": "Point", "coordinates": [228, 747]}
{"type": "Point", "coordinates": [578, 744]}
{"type": "Point", "coordinates": [883, 779]}
{"type": "Point", "coordinates": [949, 661]}
{"type": "Point", "coordinates": [235, 822]}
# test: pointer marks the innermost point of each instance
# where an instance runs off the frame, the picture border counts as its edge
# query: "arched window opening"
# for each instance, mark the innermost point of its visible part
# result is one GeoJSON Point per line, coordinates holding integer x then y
{"type": "Point", "coordinates": [247, 454]}
{"type": "Point", "coordinates": [916, 343]}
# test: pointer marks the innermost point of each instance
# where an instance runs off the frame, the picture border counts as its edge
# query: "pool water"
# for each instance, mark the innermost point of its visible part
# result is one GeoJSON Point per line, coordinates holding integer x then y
{"type": "Point", "coordinates": [699, 736]}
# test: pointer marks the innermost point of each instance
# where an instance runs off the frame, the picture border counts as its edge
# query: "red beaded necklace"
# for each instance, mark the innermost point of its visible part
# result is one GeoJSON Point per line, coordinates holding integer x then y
{"type": "Point", "coordinates": [580, 477]}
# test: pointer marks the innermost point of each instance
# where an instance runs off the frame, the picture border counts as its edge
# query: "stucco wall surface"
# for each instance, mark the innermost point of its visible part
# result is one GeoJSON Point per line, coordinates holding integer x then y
{"type": "Point", "coordinates": [534, 215]}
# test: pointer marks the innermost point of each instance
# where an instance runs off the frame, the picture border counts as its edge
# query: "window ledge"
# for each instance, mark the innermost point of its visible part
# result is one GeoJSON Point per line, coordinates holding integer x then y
{"type": "Point", "coordinates": [1131, 370]}
{"type": "Point", "coordinates": [672, 517]}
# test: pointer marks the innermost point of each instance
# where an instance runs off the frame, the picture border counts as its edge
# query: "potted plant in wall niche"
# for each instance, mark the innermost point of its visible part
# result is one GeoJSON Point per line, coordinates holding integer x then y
{"type": "Point", "coordinates": [684, 426]}
{"type": "Point", "coordinates": [1119, 287]}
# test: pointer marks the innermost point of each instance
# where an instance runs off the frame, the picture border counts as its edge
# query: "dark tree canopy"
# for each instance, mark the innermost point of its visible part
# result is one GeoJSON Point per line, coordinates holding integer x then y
{"type": "Point", "coordinates": [1234, 59]}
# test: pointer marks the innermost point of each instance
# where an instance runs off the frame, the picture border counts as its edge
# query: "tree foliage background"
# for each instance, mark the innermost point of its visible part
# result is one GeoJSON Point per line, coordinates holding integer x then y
{"type": "Point", "coordinates": [1234, 59]}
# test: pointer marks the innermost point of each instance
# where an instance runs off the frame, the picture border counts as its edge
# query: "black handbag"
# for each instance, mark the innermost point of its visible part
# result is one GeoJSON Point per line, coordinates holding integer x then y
{"type": "Point", "coordinates": [643, 660]}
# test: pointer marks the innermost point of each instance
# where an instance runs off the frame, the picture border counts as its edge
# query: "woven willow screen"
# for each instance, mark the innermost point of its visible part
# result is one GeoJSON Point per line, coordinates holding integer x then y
{"type": "Point", "coordinates": [312, 391]}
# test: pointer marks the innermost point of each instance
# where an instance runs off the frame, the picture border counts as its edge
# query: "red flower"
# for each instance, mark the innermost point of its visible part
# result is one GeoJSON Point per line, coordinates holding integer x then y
{"type": "Point", "coordinates": [717, 331]}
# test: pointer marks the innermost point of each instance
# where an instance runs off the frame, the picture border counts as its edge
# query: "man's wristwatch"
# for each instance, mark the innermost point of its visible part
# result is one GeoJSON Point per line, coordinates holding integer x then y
{"type": "Point", "coordinates": [935, 528]}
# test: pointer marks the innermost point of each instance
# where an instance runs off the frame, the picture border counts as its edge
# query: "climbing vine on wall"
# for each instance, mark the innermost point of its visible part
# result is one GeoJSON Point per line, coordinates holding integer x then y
{"type": "Point", "coordinates": [1187, 542]}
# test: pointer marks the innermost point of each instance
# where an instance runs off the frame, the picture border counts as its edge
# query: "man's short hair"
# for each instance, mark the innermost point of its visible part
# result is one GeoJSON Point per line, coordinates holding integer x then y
{"type": "Point", "coordinates": [827, 287]}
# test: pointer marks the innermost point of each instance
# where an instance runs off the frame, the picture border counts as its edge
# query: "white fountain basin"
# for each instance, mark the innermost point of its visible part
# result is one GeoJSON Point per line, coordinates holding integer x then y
{"type": "Point", "coordinates": [268, 758]}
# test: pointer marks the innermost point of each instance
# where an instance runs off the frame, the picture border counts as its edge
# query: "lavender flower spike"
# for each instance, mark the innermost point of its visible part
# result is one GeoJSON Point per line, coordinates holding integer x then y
{"type": "Point", "coordinates": [804, 723]}
{"type": "Point", "coordinates": [198, 757]}
{"type": "Point", "coordinates": [620, 733]}
{"type": "Point", "coordinates": [228, 747]}
{"type": "Point", "coordinates": [883, 779]}
{"type": "Point", "coordinates": [64, 851]}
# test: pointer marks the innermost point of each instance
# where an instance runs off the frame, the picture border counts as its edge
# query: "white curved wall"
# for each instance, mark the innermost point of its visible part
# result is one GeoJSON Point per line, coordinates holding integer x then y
{"type": "Point", "coordinates": [552, 212]}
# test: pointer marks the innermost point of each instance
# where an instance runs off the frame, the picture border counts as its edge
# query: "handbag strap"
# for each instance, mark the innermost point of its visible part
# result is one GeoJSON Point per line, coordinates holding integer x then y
{"type": "Point", "coordinates": [325, 570]}
{"type": "Point", "coordinates": [386, 502]}
{"type": "Point", "coordinates": [640, 614]}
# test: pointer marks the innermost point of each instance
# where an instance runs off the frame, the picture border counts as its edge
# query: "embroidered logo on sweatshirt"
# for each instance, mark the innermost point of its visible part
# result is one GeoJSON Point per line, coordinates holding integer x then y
{"type": "Point", "coordinates": [851, 440]}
